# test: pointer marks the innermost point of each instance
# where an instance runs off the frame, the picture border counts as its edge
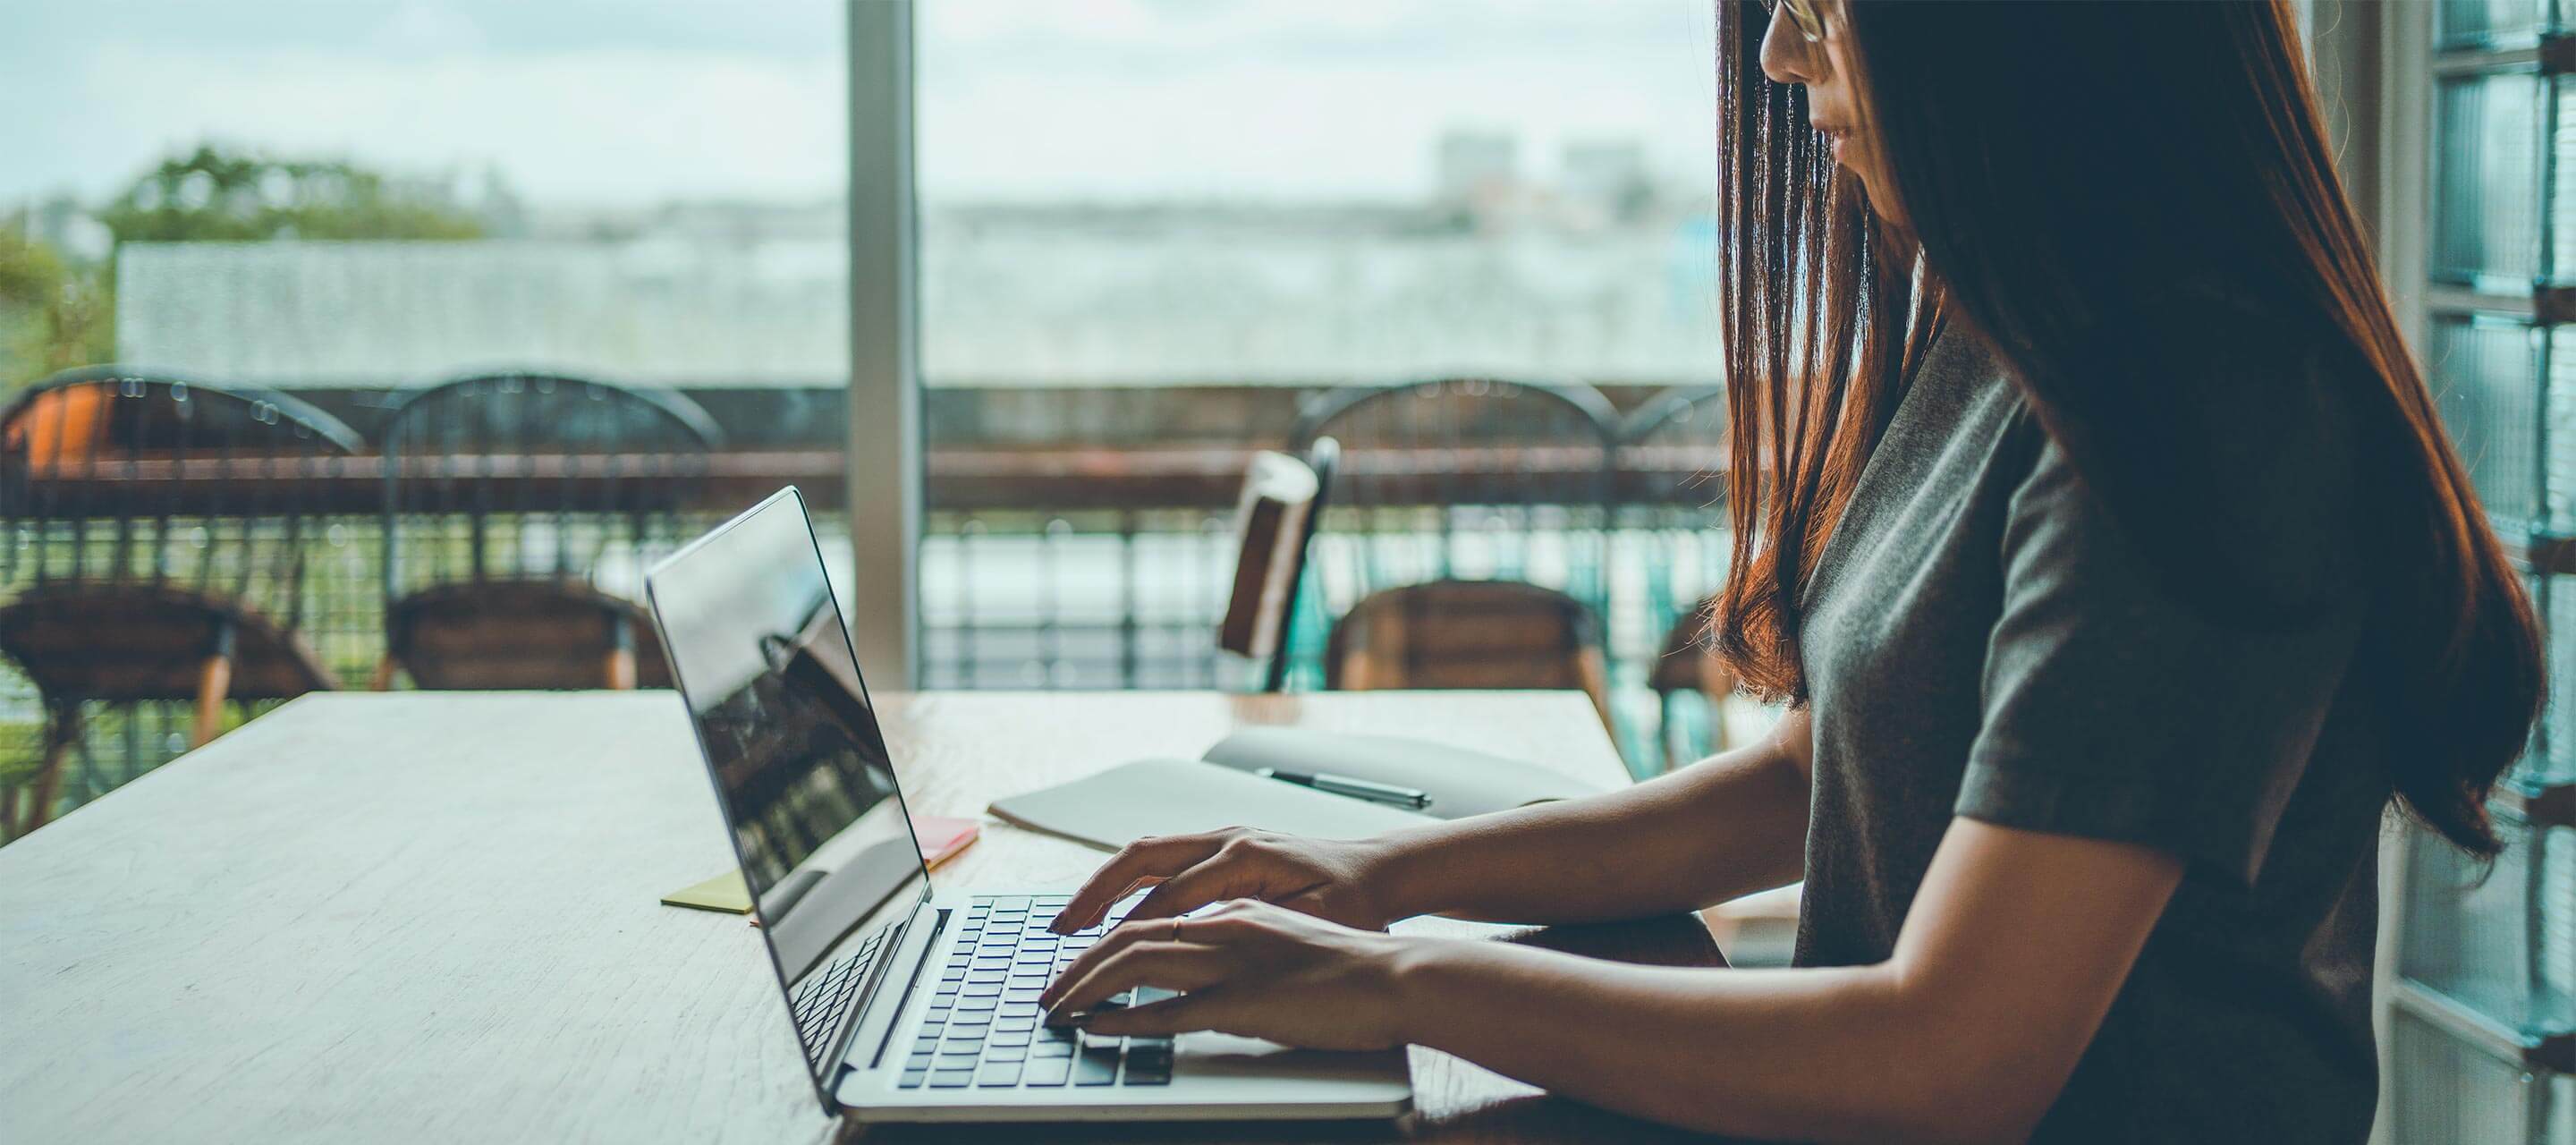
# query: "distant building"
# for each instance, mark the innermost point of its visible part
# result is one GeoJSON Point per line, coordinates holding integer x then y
{"type": "Point", "coordinates": [1607, 176]}
{"type": "Point", "coordinates": [1474, 165]}
{"type": "Point", "coordinates": [1009, 297]}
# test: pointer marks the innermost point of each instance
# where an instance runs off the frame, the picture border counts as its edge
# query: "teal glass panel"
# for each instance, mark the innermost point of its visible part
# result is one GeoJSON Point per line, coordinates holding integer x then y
{"type": "Point", "coordinates": [2500, 940]}
{"type": "Point", "coordinates": [2491, 23]}
{"type": "Point", "coordinates": [2450, 1093]}
{"type": "Point", "coordinates": [2485, 376]}
{"type": "Point", "coordinates": [2486, 182]}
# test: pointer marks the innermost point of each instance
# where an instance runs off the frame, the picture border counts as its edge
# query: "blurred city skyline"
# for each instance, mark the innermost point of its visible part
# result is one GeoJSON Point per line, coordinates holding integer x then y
{"type": "Point", "coordinates": [594, 103]}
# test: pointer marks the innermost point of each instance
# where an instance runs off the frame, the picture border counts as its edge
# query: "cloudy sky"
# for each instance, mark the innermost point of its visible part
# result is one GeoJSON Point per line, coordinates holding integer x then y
{"type": "Point", "coordinates": [637, 101]}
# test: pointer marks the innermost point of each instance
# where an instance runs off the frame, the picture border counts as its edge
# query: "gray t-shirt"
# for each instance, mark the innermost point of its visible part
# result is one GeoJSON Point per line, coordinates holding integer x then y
{"type": "Point", "coordinates": [1982, 639]}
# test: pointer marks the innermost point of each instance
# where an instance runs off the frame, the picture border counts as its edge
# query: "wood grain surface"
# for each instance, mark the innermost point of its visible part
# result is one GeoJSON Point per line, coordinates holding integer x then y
{"type": "Point", "coordinates": [434, 916]}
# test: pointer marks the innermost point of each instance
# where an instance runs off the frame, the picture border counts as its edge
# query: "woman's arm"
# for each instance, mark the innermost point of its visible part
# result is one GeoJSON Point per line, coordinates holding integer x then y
{"type": "Point", "coordinates": [2005, 967]}
{"type": "Point", "coordinates": [1723, 827]}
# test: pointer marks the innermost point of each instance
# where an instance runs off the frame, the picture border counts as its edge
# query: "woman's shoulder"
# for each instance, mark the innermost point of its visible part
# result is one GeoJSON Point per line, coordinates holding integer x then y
{"type": "Point", "coordinates": [2240, 460]}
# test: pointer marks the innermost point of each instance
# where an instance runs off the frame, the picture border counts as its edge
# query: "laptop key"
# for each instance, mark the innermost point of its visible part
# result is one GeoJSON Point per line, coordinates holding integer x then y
{"type": "Point", "coordinates": [1096, 1067]}
{"type": "Point", "coordinates": [951, 1078]}
{"type": "Point", "coordinates": [1005, 1053]}
{"type": "Point", "coordinates": [1149, 1061]}
{"type": "Point", "coordinates": [1049, 1072]}
{"type": "Point", "coordinates": [1039, 1050]}
{"type": "Point", "coordinates": [1000, 1075]}
{"type": "Point", "coordinates": [912, 1078]}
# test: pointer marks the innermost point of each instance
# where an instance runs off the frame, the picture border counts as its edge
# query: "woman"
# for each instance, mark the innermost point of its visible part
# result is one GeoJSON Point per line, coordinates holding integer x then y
{"type": "Point", "coordinates": [2094, 519]}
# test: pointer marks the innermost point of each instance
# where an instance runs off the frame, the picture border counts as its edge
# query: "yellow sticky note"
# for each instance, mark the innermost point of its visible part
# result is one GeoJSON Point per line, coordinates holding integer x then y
{"type": "Point", "coordinates": [724, 892]}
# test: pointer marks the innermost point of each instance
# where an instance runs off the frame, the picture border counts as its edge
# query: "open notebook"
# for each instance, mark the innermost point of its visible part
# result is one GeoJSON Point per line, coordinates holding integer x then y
{"type": "Point", "coordinates": [1181, 796]}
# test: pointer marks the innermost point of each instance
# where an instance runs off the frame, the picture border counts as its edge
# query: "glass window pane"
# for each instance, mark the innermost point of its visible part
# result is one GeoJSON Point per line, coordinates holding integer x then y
{"type": "Point", "coordinates": [2561, 223]}
{"type": "Point", "coordinates": [2484, 371]}
{"type": "Point", "coordinates": [2554, 758]}
{"type": "Point", "coordinates": [2486, 210]}
{"type": "Point", "coordinates": [2495, 940]}
{"type": "Point", "coordinates": [1155, 232]}
{"type": "Point", "coordinates": [352, 202]}
{"type": "Point", "coordinates": [2467, 23]}
{"type": "Point", "coordinates": [2451, 1092]}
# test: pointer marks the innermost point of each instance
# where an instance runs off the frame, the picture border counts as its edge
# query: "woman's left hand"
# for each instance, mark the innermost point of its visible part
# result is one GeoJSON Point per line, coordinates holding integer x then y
{"type": "Point", "coordinates": [1248, 968]}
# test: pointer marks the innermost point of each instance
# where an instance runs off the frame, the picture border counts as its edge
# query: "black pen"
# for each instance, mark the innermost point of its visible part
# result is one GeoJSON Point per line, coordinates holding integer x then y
{"type": "Point", "coordinates": [1355, 788]}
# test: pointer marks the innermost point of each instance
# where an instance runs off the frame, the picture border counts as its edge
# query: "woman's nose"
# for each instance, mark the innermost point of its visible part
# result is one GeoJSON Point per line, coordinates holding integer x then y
{"type": "Point", "coordinates": [1785, 50]}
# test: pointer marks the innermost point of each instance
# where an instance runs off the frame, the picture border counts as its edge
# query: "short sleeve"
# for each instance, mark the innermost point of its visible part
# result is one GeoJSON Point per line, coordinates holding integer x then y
{"type": "Point", "coordinates": [2114, 710]}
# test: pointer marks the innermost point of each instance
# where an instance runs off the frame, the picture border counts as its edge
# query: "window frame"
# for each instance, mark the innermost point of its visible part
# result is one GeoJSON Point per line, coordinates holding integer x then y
{"type": "Point", "coordinates": [883, 465]}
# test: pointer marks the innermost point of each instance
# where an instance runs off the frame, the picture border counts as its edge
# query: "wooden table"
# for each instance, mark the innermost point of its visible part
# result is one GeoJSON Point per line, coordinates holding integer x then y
{"type": "Point", "coordinates": [434, 916]}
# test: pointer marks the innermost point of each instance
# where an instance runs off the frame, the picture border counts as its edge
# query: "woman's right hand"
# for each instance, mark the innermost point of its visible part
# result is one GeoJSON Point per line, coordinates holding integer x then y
{"type": "Point", "coordinates": [1329, 879]}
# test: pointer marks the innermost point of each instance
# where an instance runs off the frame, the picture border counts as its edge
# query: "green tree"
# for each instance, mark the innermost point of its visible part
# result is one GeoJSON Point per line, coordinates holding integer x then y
{"type": "Point", "coordinates": [56, 313]}
{"type": "Point", "coordinates": [216, 195]}
{"type": "Point", "coordinates": [53, 314]}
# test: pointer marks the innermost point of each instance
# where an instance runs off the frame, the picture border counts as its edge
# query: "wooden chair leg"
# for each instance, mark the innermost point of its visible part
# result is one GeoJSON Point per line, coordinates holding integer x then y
{"type": "Point", "coordinates": [62, 730]}
{"type": "Point", "coordinates": [620, 668]}
{"type": "Point", "coordinates": [1716, 683]}
{"type": "Point", "coordinates": [214, 683]}
{"type": "Point", "coordinates": [1664, 731]}
{"type": "Point", "coordinates": [1596, 684]}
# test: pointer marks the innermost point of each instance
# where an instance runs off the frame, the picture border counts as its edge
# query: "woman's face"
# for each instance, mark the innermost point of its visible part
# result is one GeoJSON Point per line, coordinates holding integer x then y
{"type": "Point", "coordinates": [1825, 68]}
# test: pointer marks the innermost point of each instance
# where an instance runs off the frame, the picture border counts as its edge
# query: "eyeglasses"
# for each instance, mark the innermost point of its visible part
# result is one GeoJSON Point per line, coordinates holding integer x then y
{"type": "Point", "coordinates": [1803, 14]}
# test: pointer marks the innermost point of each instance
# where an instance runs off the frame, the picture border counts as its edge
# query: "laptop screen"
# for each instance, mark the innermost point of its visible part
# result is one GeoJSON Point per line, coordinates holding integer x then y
{"type": "Point", "coordinates": [760, 656]}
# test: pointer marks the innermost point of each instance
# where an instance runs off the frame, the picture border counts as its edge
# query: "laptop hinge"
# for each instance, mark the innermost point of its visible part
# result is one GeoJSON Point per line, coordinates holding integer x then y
{"type": "Point", "coordinates": [842, 1047]}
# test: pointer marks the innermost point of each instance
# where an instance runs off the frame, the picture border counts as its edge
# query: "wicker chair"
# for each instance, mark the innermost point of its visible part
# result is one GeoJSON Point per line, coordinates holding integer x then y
{"type": "Point", "coordinates": [1464, 479]}
{"type": "Point", "coordinates": [1469, 634]}
{"type": "Point", "coordinates": [164, 524]}
{"type": "Point", "coordinates": [516, 507]}
{"type": "Point", "coordinates": [1672, 456]}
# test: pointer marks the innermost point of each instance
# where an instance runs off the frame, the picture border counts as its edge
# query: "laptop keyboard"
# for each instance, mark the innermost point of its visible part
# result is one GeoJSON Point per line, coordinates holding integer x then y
{"type": "Point", "coordinates": [825, 995]}
{"type": "Point", "coordinates": [985, 1029]}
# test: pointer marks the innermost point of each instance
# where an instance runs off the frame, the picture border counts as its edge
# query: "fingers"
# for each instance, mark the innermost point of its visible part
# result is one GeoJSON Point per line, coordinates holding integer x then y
{"type": "Point", "coordinates": [1225, 875]}
{"type": "Point", "coordinates": [1145, 860]}
{"type": "Point", "coordinates": [1167, 965]}
{"type": "Point", "coordinates": [1214, 929]}
{"type": "Point", "coordinates": [1202, 1009]}
{"type": "Point", "coordinates": [1108, 947]}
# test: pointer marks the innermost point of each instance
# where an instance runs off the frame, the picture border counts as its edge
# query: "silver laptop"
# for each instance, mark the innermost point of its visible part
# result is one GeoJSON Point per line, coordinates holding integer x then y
{"type": "Point", "coordinates": [910, 1005]}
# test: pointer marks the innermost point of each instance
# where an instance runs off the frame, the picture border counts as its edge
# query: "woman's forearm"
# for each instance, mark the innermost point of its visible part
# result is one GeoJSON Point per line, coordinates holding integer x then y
{"type": "Point", "coordinates": [1721, 828]}
{"type": "Point", "coordinates": [1817, 1054]}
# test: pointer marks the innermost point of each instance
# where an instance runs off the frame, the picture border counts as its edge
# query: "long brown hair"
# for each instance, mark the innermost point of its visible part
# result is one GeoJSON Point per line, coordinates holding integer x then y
{"type": "Point", "coordinates": [2067, 169]}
